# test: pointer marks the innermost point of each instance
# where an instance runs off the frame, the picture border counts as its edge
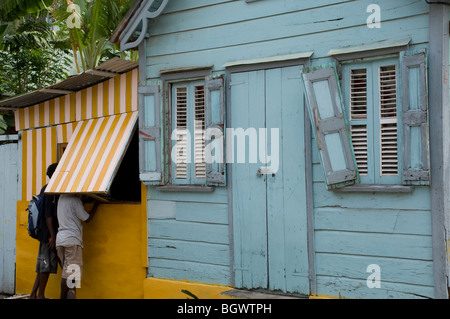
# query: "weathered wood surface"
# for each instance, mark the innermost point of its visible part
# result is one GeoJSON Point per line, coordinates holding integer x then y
{"type": "Point", "coordinates": [188, 236]}
{"type": "Point", "coordinates": [351, 230]}
{"type": "Point", "coordinates": [9, 155]}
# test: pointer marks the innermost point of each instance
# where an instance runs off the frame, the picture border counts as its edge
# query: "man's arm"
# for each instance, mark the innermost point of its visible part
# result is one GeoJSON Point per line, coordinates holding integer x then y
{"type": "Point", "coordinates": [92, 211]}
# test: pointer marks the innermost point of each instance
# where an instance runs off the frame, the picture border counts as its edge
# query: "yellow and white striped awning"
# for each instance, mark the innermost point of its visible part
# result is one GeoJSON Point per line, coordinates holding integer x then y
{"type": "Point", "coordinates": [93, 155]}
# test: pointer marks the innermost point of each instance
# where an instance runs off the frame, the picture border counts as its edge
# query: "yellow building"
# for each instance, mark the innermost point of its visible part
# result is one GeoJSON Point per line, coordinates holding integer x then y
{"type": "Point", "coordinates": [87, 123]}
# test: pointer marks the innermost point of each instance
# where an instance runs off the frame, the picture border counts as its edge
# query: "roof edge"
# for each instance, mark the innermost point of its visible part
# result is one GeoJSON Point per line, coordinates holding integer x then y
{"type": "Point", "coordinates": [101, 73]}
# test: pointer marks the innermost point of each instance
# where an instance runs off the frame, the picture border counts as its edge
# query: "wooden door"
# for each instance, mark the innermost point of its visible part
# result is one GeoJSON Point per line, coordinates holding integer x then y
{"type": "Point", "coordinates": [269, 210]}
{"type": "Point", "coordinates": [8, 203]}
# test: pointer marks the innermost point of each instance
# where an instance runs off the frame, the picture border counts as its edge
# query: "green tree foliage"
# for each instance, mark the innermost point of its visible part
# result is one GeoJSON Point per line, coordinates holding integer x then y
{"type": "Point", "coordinates": [32, 57]}
{"type": "Point", "coordinates": [11, 10]}
{"type": "Point", "coordinates": [90, 24]}
{"type": "Point", "coordinates": [6, 123]}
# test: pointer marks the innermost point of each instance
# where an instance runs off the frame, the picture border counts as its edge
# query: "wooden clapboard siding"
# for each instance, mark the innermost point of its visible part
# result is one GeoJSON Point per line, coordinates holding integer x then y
{"type": "Point", "coordinates": [114, 96]}
{"type": "Point", "coordinates": [188, 236]}
{"type": "Point", "coordinates": [353, 231]}
{"type": "Point", "coordinates": [189, 36]}
{"type": "Point", "coordinates": [358, 289]}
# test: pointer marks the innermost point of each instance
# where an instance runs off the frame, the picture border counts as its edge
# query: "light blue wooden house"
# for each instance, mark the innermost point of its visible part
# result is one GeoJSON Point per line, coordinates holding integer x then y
{"type": "Point", "coordinates": [298, 147]}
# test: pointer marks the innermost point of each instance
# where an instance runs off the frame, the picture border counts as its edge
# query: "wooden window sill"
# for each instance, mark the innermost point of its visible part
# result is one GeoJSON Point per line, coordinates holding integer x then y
{"type": "Point", "coordinates": [186, 189]}
{"type": "Point", "coordinates": [369, 188]}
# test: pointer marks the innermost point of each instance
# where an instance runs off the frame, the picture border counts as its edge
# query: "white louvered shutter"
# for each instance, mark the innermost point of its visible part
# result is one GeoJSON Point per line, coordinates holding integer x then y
{"type": "Point", "coordinates": [388, 120]}
{"type": "Point", "coordinates": [181, 122]}
{"type": "Point", "coordinates": [358, 112]}
{"type": "Point", "coordinates": [199, 132]}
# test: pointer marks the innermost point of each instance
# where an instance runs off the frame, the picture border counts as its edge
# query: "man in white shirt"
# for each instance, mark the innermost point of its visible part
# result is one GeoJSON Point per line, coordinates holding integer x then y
{"type": "Point", "coordinates": [69, 240]}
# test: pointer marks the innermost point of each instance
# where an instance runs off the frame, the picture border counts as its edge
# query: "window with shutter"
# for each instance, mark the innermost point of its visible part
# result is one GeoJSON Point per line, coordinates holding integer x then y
{"type": "Point", "coordinates": [188, 136]}
{"type": "Point", "coordinates": [371, 97]}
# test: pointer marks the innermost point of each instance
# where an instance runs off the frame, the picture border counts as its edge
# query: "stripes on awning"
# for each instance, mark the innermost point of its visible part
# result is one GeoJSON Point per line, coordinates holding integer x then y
{"type": "Point", "coordinates": [113, 96]}
{"type": "Point", "coordinates": [93, 155]}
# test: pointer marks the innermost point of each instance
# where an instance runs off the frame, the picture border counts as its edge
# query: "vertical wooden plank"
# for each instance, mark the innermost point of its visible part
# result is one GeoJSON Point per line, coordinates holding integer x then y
{"type": "Point", "coordinates": [309, 201]}
{"type": "Point", "coordinates": [111, 96]}
{"type": "Point", "coordinates": [128, 91]}
{"type": "Point", "coordinates": [100, 95]}
{"type": "Point", "coordinates": [79, 109]}
{"type": "Point", "coordinates": [105, 97]}
{"type": "Point", "coordinates": [60, 110]}
{"type": "Point", "coordinates": [34, 159]}
{"type": "Point", "coordinates": [47, 111]}
{"type": "Point", "coordinates": [123, 93]}
{"type": "Point", "coordinates": [53, 104]}
{"type": "Point", "coordinates": [439, 149]}
{"type": "Point", "coordinates": [134, 88]}
{"type": "Point", "coordinates": [19, 119]}
{"type": "Point", "coordinates": [294, 170]}
{"type": "Point", "coordinates": [31, 116]}
{"type": "Point", "coordinates": [276, 210]}
{"type": "Point", "coordinates": [40, 115]}
{"type": "Point", "coordinates": [2, 216]}
{"type": "Point", "coordinates": [249, 191]}
{"type": "Point", "coordinates": [8, 199]}
{"type": "Point", "coordinates": [43, 156]}
{"type": "Point", "coordinates": [117, 98]}
{"type": "Point", "coordinates": [286, 213]}
{"type": "Point", "coordinates": [24, 164]}
{"type": "Point", "coordinates": [71, 108]}
{"type": "Point", "coordinates": [89, 103]}
{"type": "Point", "coordinates": [26, 112]}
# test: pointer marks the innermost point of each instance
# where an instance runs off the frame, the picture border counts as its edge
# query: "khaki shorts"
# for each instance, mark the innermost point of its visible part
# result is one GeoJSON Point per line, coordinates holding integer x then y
{"type": "Point", "coordinates": [71, 260]}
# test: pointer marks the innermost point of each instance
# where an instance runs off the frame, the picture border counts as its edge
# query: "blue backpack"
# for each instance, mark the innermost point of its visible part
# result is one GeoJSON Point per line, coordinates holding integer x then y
{"type": "Point", "coordinates": [35, 209]}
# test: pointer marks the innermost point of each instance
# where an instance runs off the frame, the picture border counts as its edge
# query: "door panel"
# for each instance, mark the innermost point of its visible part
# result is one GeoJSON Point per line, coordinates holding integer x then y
{"type": "Point", "coordinates": [286, 193]}
{"type": "Point", "coordinates": [249, 198]}
{"type": "Point", "coordinates": [269, 212]}
{"type": "Point", "coordinates": [8, 204]}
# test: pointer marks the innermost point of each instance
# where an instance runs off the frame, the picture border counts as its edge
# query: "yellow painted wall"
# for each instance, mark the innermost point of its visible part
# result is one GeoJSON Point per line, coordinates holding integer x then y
{"type": "Point", "coordinates": [113, 254]}
{"type": "Point", "coordinates": [155, 288]}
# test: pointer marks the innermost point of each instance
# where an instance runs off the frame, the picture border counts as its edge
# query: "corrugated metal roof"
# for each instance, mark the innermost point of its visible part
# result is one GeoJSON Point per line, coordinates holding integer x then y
{"type": "Point", "coordinates": [103, 72]}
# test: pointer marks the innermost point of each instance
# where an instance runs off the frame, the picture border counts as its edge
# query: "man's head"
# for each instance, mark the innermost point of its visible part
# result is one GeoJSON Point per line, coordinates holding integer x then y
{"type": "Point", "coordinates": [51, 169]}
